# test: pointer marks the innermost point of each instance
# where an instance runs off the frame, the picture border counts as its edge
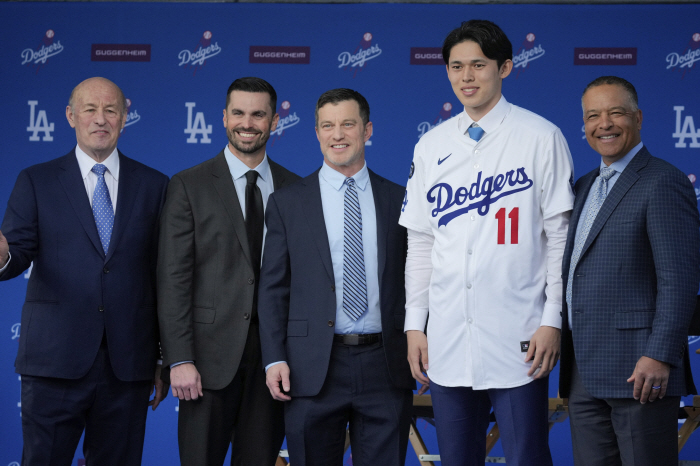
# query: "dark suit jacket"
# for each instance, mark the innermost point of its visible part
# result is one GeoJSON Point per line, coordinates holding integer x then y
{"type": "Point", "coordinates": [636, 280]}
{"type": "Point", "coordinates": [75, 293]}
{"type": "Point", "coordinates": [205, 277]}
{"type": "Point", "coordinates": [297, 301]}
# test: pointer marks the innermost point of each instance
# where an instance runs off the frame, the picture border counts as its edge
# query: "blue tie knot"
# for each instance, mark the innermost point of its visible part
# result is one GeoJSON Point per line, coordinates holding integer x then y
{"type": "Point", "coordinates": [606, 173]}
{"type": "Point", "coordinates": [350, 182]}
{"type": "Point", "coordinates": [99, 169]}
{"type": "Point", "coordinates": [475, 132]}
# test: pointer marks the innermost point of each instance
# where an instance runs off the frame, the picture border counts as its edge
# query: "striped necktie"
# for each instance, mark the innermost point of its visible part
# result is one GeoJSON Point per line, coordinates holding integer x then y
{"type": "Point", "coordinates": [354, 280]}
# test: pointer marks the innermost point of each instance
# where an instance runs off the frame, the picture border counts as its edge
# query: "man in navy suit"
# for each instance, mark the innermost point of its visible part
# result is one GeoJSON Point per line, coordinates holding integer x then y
{"type": "Point", "coordinates": [631, 266]}
{"type": "Point", "coordinates": [331, 300]}
{"type": "Point", "coordinates": [89, 344]}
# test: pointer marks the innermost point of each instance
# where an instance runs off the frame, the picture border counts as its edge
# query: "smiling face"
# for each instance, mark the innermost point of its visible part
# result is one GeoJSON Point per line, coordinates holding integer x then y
{"type": "Point", "coordinates": [612, 121]}
{"type": "Point", "coordinates": [342, 136]}
{"type": "Point", "coordinates": [476, 79]}
{"type": "Point", "coordinates": [249, 119]}
{"type": "Point", "coordinates": [97, 113]}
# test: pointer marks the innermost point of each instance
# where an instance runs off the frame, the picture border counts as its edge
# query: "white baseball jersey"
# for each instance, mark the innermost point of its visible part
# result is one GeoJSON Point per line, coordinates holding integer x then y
{"type": "Point", "coordinates": [485, 204]}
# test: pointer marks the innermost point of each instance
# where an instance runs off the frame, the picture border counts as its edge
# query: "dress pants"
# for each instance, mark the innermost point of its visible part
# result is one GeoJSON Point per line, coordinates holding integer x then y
{"type": "Point", "coordinates": [462, 418]}
{"type": "Point", "coordinates": [358, 391]}
{"type": "Point", "coordinates": [243, 414]}
{"type": "Point", "coordinates": [622, 431]}
{"type": "Point", "coordinates": [112, 412]}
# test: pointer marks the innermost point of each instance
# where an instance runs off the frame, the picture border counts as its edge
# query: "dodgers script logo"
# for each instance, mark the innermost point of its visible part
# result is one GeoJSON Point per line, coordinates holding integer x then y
{"type": "Point", "coordinates": [686, 131]}
{"type": "Point", "coordinates": [45, 50]}
{"type": "Point", "coordinates": [685, 60]}
{"type": "Point", "coordinates": [444, 196]}
{"type": "Point", "coordinates": [197, 57]}
{"type": "Point", "coordinates": [364, 52]}
{"type": "Point", "coordinates": [287, 120]}
{"type": "Point", "coordinates": [15, 330]}
{"type": "Point", "coordinates": [527, 52]}
{"type": "Point", "coordinates": [444, 115]}
{"type": "Point", "coordinates": [132, 116]}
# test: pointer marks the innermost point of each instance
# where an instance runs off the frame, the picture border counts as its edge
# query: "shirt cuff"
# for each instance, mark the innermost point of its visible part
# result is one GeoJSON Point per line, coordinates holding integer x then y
{"type": "Point", "coordinates": [551, 317]}
{"type": "Point", "coordinates": [273, 364]}
{"type": "Point", "coordinates": [416, 319]}
{"type": "Point", "coordinates": [179, 363]}
{"type": "Point", "coordinates": [9, 258]}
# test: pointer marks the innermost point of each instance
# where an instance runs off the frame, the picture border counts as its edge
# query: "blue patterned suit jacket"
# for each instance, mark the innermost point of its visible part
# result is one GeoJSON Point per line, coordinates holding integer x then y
{"type": "Point", "coordinates": [635, 285]}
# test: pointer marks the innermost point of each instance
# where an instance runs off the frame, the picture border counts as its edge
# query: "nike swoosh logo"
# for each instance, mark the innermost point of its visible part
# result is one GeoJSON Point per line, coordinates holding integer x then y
{"type": "Point", "coordinates": [442, 160]}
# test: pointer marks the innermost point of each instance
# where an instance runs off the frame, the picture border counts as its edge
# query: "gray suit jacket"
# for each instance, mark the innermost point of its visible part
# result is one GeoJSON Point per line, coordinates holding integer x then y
{"type": "Point", "coordinates": [205, 276]}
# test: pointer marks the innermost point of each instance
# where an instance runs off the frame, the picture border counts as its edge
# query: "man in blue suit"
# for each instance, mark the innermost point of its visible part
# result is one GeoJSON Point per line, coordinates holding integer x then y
{"type": "Point", "coordinates": [331, 300]}
{"type": "Point", "coordinates": [631, 266]}
{"type": "Point", "coordinates": [89, 344]}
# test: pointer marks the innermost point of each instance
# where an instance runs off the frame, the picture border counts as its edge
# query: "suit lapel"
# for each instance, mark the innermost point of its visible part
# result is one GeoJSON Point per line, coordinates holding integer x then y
{"type": "Point", "coordinates": [584, 186]}
{"type": "Point", "coordinates": [627, 178]}
{"type": "Point", "coordinates": [381, 207]}
{"type": "Point", "coordinates": [278, 178]}
{"type": "Point", "coordinates": [313, 210]}
{"type": "Point", "coordinates": [126, 200]}
{"type": "Point", "coordinates": [223, 183]}
{"type": "Point", "coordinates": [72, 182]}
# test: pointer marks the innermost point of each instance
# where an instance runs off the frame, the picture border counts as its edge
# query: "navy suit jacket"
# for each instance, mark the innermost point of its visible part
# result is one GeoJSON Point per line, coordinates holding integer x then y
{"type": "Point", "coordinates": [636, 281]}
{"type": "Point", "coordinates": [76, 293]}
{"type": "Point", "coordinates": [297, 301]}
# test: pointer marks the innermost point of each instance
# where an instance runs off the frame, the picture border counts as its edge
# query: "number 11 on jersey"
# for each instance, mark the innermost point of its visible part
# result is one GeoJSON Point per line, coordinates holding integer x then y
{"type": "Point", "coordinates": [501, 217]}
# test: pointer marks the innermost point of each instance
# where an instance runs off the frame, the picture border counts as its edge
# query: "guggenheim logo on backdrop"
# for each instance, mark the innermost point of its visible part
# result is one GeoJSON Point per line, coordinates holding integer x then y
{"type": "Point", "coordinates": [121, 52]}
{"type": "Point", "coordinates": [605, 56]}
{"type": "Point", "coordinates": [280, 54]}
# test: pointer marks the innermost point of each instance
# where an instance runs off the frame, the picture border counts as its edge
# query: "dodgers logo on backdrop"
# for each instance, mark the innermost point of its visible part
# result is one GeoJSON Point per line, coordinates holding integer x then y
{"type": "Point", "coordinates": [15, 330]}
{"type": "Point", "coordinates": [132, 116]}
{"type": "Point", "coordinates": [444, 196]}
{"type": "Point", "coordinates": [197, 127]}
{"type": "Point", "coordinates": [287, 120]}
{"type": "Point", "coordinates": [693, 179]}
{"type": "Point", "coordinates": [40, 124]}
{"type": "Point", "coordinates": [685, 60]}
{"type": "Point", "coordinates": [203, 51]}
{"type": "Point", "coordinates": [685, 130]}
{"type": "Point", "coordinates": [527, 52]}
{"type": "Point", "coordinates": [45, 50]}
{"type": "Point", "coordinates": [364, 52]}
{"type": "Point", "coordinates": [444, 114]}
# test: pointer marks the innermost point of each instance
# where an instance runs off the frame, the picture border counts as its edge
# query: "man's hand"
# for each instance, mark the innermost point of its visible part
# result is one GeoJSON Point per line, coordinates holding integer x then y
{"type": "Point", "coordinates": [544, 351]}
{"type": "Point", "coordinates": [160, 387]}
{"type": "Point", "coordinates": [276, 374]}
{"type": "Point", "coordinates": [649, 373]}
{"type": "Point", "coordinates": [186, 382]}
{"type": "Point", "coordinates": [418, 358]}
{"type": "Point", "coordinates": [4, 250]}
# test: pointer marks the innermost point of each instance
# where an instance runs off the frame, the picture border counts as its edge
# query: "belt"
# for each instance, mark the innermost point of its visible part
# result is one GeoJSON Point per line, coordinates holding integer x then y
{"type": "Point", "coordinates": [355, 339]}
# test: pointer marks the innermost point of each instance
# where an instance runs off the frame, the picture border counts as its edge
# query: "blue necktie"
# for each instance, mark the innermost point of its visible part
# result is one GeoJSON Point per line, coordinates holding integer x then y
{"type": "Point", "coordinates": [598, 193]}
{"type": "Point", "coordinates": [475, 132]}
{"type": "Point", "coordinates": [354, 280]}
{"type": "Point", "coordinates": [102, 207]}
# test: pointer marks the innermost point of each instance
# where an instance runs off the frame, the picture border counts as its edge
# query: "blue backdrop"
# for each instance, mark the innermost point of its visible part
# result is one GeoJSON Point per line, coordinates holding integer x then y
{"type": "Point", "coordinates": [175, 62]}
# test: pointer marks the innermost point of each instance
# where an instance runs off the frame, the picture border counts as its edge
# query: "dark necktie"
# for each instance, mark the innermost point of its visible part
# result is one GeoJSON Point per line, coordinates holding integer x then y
{"type": "Point", "coordinates": [254, 225]}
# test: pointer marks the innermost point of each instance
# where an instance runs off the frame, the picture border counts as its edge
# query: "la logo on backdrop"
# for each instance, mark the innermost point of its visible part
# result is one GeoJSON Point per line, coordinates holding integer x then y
{"type": "Point", "coordinates": [527, 52]}
{"type": "Point", "coordinates": [364, 52]}
{"type": "Point", "coordinates": [287, 120]}
{"type": "Point", "coordinates": [443, 115]}
{"type": "Point", "coordinates": [39, 56]}
{"type": "Point", "coordinates": [196, 58]}
{"type": "Point", "coordinates": [685, 60]}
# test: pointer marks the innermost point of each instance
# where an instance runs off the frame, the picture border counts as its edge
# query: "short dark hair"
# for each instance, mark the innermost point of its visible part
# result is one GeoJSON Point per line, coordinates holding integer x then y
{"type": "Point", "coordinates": [616, 81]}
{"type": "Point", "coordinates": [493, 41]}
{"type": "Point", "coordinates": [252, 84]}
{"type": "Point", "coordinates": [334, 96]}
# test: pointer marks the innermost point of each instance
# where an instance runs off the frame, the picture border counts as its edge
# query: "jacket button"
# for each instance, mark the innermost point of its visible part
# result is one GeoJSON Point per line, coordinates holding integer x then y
{"type": "Point", "coordinates": [105, 270]}
{"type": "Point", "coordinates": [251, 281]}
{"type": "Point", "coordinates": [101, 308]}
{"type": "Point", "coordinates": [246, 316]}
{"type": "Point", "coordinates": [332, 287]}
{"type": "Point", "coordinates": [330, 323]}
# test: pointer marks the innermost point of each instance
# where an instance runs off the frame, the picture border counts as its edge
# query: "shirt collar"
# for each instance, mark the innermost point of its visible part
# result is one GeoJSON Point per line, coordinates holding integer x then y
{"type": "Point", "coordinates": [490, 122]}
{"type": "Point", "coordinates": [85, 162]}
{"type": "Point", "coordinates": [337, 179]}
{"type": "Point", "coordinates": [621, 164]}
{"type": "Point", "coordinates": [239, 169]}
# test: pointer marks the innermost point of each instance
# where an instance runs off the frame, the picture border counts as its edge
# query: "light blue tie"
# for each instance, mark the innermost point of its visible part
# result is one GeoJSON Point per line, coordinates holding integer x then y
{"type": "Point", "coordinates": [354, 280]}
{"type": "Point", "coordinates": [102, 207]}
{"type": "Point", "coordinates": [598, 193]}
{"type": "Point", "coordinates": [475, 132]}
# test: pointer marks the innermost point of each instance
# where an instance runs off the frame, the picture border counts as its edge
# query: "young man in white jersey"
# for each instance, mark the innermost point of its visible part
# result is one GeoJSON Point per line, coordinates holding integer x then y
{"type": "Point", "coordinates": [487, 208]}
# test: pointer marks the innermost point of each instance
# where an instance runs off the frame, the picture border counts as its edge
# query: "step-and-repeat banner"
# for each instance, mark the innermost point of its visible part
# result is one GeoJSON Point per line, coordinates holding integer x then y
{"type": "Point", "coordinates": [176, 61]}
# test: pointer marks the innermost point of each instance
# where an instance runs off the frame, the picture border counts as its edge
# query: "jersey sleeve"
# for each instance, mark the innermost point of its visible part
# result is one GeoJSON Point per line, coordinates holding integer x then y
{"type": "Point", "coordinates": [557, 170]}
{"type": "Point", "coordinates": [414, 215]}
